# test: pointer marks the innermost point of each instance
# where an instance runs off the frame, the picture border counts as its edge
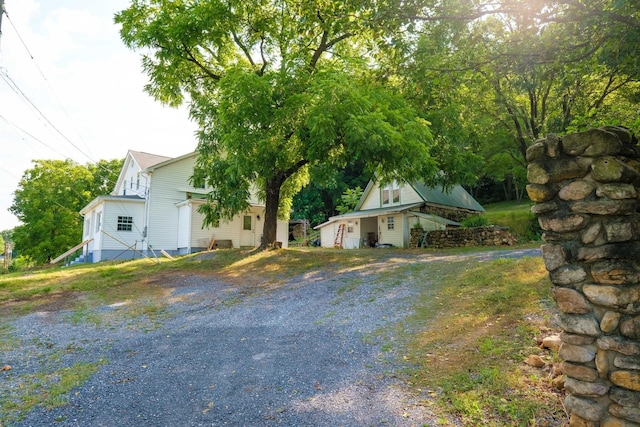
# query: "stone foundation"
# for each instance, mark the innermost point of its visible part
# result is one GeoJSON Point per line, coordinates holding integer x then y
{"type": "Point", "coordinates": [585, 186]}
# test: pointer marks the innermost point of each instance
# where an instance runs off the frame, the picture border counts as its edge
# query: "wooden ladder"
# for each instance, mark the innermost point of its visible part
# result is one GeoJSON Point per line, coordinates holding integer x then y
{"type": "Point", "coordinates": [339, 236]}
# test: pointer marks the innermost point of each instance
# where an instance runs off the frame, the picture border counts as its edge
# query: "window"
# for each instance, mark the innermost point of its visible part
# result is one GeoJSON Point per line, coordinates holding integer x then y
{"type": "Point", "coordinates": [349, 227]}
{"type": "Point", "coordinates": [391, 223]}
{"type": "Point", "coordinates": [385, 196]}
{"type": "Point", "coordinates": [391, 194]}
{"type": "Point", "coordinates": [138, 181]}
{"type": "Point", "coordinates": [246, 222]}
{"type": "Point", "coordinates": [125, 223]}
{"type": "Point", "coordinates": [98, 221]}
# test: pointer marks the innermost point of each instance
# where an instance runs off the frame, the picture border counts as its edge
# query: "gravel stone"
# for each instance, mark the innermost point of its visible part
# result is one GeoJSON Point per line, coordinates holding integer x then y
{"type": "Point", "coordinates": [315, 351]}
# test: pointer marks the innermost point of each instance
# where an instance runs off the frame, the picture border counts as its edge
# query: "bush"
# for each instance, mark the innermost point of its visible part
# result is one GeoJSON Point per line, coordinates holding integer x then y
{"type": "Point", "coordinates": [533, 232]}
{"type": "Point", "coordinates": [475, 221]}
{"type": "Point", "coordinates": [21, 263]}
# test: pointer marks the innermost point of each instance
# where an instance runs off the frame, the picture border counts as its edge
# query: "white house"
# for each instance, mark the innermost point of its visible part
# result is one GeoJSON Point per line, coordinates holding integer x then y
{"type": "Point", "coordinates": [154, 207]}
{"type": "Point", "coordinates": [385, 215]}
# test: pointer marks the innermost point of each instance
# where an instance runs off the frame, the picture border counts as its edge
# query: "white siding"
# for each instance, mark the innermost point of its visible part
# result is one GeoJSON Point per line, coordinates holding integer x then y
{"type": "Point", "coordinates": [253, 196]}
{"type": "Point", "coordinates": [372, 200]}
{"type": "Point", "coordinates": [199, 237]}
{"type": "Point", "coordinates": [282, 233]}
{"type": "Point", "coordinates": [167, 189]}
{"type": "Point", "coordinates": [352, 239]}
{"type": "Point", "coordinates": [395, 236]}
{"type": "Point", "coordinates": [230, 230]}
{"type": "Point", "coordinates": [408, 195]}
{"type": "Point", "coordinates": [111, 238]}
{"type": "Point", "coordinates": [132, 181]}
{"type": "Point", "coordinates": [184, 225]}
{"type": "Point", "coordinates": [328, 235]}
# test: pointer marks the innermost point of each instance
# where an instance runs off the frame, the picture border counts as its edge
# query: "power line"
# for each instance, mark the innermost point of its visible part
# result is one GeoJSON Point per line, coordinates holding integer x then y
{"type": "Point", "coordinates": [23, 96]}
{"type": "Point", "coordinates": [13, 85]}
{"type": "Point", "coordinates": [10, 123]}
{"type": "Point", "coordinates": [53, 93]}
{"type": "Point", "coordinates": [2, 12]}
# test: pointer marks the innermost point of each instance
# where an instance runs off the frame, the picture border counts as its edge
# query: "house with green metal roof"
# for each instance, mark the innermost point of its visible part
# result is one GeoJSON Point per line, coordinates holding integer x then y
{"type": "Point", "coordinates": [385, 215]}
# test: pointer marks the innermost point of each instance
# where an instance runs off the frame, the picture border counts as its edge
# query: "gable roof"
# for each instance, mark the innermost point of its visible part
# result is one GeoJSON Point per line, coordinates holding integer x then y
{"type": "Point", "coordinates": [142, 159]}
{"type": "Point", "coordinates": [457, 197]}
{"type": "Point", "coordinates": [146, 160]}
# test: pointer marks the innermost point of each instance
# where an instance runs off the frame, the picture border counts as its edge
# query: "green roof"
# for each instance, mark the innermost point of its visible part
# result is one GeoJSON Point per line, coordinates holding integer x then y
{"type": "Point", "coordinates": [457, 197]}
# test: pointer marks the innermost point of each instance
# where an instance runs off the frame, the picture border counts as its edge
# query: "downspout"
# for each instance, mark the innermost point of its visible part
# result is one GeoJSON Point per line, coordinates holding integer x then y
{"type": "Point", "coordinates": [189, 231]}
{"type": "Point", "coordinates": [145, 232]}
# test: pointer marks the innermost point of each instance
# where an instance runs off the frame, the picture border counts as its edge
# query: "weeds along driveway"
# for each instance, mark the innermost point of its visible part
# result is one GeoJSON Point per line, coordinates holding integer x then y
{"type": "Point", "coordinates": [317, 350]}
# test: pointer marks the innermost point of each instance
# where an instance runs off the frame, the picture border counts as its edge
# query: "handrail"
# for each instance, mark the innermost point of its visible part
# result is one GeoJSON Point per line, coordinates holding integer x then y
{"type": "Point", "coordinates": [70, 251]}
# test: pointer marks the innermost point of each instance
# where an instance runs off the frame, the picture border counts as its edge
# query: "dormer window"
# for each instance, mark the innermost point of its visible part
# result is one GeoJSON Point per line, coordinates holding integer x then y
{"type": "Point", "coordinates": [391, 194]}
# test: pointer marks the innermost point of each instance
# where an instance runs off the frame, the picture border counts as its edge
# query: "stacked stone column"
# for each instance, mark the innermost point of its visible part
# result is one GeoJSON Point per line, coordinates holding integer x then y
{"type": "Point", "coordinates": [585, 186]}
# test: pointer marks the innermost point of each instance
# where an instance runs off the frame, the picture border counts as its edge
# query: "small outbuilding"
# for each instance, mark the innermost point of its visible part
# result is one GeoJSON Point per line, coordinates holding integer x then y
{"type": "Point", "coordinates": [385, 215]}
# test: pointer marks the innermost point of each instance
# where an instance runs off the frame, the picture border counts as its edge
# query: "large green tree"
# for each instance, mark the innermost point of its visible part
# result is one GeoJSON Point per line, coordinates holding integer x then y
{"type": "Point", "coordinates": [503, 74]}
{"type": "Point", "coordinates": [48, 200]}
{"type": "Point", "coordinates": [282, 90]}
{"type": "Point", "coordinates": [105, 175]}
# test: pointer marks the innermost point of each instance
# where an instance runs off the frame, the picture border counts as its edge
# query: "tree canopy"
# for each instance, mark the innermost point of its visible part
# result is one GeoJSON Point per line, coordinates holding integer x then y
{"type": "Point", "coordinates": [281, 90]}
{"type": "Point", "coordinates": [288, 91]}
{"type": "Point", "coordinates": [499, 75]}
{"type": "Point", "coordinates": [48, 200]}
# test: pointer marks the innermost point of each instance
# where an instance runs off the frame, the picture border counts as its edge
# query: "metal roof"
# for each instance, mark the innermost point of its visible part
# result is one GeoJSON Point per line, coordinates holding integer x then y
{"type": "Point", "coordinates": [457, 197]}
{"type": "Point", "coordinates": [435, 218]}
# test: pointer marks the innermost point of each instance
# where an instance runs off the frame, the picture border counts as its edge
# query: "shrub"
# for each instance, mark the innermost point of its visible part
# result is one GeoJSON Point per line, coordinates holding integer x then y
{"type": "Point", "coordinates": [475, 221]}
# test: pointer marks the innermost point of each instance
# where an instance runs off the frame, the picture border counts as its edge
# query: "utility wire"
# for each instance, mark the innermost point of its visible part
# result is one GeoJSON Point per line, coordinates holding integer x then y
{"type": "Point", "coordinates": [16, 89]}
{"type": "Point", "coordinates": [26, 48]}
{"type": "Point", "coordinates": [12, 84]}
{"type": "Point", "coordinates": [10, 123]}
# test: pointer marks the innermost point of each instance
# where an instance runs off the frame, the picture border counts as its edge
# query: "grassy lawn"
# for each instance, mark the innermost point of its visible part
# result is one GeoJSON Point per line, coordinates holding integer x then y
{"type": "Point", "coordinates": [515, 215]}
{"type": "Point", "coordinates": [472, 329]}
{"type": "Point", "coordinates": [479, 324]}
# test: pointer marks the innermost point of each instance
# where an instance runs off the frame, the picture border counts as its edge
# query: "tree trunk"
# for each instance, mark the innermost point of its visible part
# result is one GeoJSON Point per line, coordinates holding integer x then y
{"type": "Point", "coordinates": [270, 227]}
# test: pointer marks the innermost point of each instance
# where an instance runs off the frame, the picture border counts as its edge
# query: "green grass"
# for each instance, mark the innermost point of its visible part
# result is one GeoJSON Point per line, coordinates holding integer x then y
{"type": "Point", "coordinates": [515, 215]}
{"type": "Point", "coordinates": [473, 336]}
{"type": "Point", "coordinates": [44, 389]}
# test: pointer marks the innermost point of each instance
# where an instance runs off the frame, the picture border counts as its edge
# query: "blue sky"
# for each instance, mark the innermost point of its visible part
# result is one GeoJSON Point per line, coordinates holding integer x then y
{"type": "Point", "coordinates": [86, 88]}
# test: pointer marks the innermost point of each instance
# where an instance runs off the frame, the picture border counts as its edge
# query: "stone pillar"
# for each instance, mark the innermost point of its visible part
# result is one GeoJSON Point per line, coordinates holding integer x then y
{"type": "Point", "coordinates": [585, 186]}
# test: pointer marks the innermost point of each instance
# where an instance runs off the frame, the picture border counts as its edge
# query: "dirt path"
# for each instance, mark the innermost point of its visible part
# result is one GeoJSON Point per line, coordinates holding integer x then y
{"type": "Point", "coordinates": [316, 351]}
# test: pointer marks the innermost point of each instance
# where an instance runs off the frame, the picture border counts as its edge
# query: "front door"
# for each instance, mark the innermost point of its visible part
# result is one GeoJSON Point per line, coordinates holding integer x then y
{"type": "Point", "coordinates": [248, 232]}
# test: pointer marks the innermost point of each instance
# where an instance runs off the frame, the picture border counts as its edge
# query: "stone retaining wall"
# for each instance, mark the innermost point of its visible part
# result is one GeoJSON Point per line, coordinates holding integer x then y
{"type": "Point", "coordinates": [585, 186]}
{"type": "Point", "coordinates": [458, 237]}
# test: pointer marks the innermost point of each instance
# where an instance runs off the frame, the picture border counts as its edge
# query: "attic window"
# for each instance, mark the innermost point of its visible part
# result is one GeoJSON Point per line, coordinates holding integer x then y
{"type": "Point", "coordinates": [391, 194]}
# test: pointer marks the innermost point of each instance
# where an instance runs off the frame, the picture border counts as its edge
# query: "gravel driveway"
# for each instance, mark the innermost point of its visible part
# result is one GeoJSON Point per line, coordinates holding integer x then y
{"type": "Point", "coordinates": [318, 350]}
